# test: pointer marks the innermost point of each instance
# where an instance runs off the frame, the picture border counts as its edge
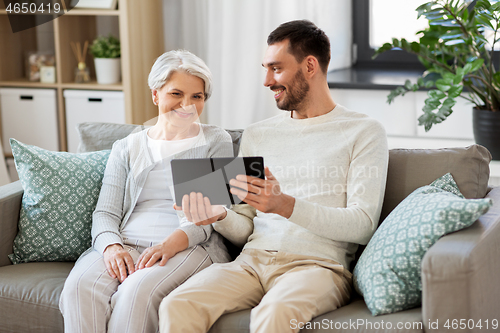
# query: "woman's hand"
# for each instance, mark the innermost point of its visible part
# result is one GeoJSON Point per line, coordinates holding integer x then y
{"type": "Point", "coordinates": [152, 254]}
{"type": "Point", "coordinates": [198, 209]}
{"type": "Point", "coordinates": [118, 261]}
{"type": "Point", "coordinates": [173, 244]}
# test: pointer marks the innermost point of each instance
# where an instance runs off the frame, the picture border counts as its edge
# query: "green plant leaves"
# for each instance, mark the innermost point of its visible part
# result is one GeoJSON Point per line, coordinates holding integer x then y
{"type": "Point", "coordinates": [426, 7]}
{"type": "Point", "coordinates": [399, 91]}
{"type": "Point", "coordinates": [436, 94]}
{"type": "Point", "coordinates": [496, 78]}
{"type": "Point", "coordinates": [485, 20]}
{"type": "Point", "coordinates": [455, 42]}
{"type": "Point", "coordinates": [495, 7]}
{"type": "Point", "coordinates": [445, 109]}
{"type": "Point", "coordinates": [382, 49]}
{"type": "Point", "coordinates": [455, 91]}
{"type": "Point", "coordinates": [430, 117]}
{"type": "Point", "coordinates": [454, 50]}
{"type": "Point", "coordinates": [453, 34]}
{"type": "Point", "coordinates": [431, 104]}
{"type": "Point", "coordinates": [483, 4]}
{"type": "Point", "coordinates": [475, 65]}
{"type": "Point", "coordinates": [105, 47]}
{"type": "Point", "coordinates": [442, 85]}
{"type": "Point", "coordinates": [426, 120]}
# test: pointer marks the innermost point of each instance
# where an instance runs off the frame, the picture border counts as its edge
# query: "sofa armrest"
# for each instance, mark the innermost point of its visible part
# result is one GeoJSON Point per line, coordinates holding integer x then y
{"type": "Point", "coordinates": [460, 273]}
{"type": "Point", "coordinates": [10, 205]}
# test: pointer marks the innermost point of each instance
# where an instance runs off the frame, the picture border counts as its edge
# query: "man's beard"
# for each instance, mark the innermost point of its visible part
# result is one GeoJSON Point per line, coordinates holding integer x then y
{"type": "Point", "coordinates": [295, 93]}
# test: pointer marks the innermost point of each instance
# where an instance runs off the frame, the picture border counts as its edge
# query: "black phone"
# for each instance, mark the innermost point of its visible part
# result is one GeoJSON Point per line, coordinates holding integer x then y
{"type": "Point", "coordinates": [211, 176]}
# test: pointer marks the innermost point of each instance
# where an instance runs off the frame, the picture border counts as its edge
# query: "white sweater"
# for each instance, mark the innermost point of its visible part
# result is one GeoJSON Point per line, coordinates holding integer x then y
{"type": "Point", "coordinates": [334, 165]}
{"type": "Point", "coordinates": [126, 172]}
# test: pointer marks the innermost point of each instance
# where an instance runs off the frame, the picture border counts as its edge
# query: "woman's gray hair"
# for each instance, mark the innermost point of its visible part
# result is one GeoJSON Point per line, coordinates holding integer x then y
{"type": "Point", "coordinates": [176, 61]}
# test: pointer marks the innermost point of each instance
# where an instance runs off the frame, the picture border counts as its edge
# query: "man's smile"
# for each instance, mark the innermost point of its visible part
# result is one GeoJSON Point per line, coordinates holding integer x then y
{"type": "Point", "coordinates": [278, 92]}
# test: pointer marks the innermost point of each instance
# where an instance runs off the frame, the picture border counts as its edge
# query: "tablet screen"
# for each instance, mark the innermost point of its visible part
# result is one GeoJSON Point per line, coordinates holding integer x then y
{"type": "Point", "coordinates": [211, 176]}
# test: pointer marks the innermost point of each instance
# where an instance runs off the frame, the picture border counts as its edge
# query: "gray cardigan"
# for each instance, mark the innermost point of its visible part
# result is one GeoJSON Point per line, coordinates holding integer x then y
{"type": "Point", "coordinates": [128, 166]}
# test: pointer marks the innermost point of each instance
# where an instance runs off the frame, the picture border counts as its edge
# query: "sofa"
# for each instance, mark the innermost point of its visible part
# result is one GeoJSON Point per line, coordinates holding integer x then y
{"type": "Point", "coordinates": [459, 272]}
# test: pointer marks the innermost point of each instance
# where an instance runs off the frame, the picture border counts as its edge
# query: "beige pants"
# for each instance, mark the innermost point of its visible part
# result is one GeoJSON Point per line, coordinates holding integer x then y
{"type": "Point", "coordinates": [93, 302]}
{"type": "Point", "coordinates": [282, 288]}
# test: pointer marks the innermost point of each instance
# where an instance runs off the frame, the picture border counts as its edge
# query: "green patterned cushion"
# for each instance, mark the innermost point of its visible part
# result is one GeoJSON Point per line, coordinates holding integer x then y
{"type": "Point", "coordinates": [388, 273]}
{"type": "Point", "coordinates": [60, 194]}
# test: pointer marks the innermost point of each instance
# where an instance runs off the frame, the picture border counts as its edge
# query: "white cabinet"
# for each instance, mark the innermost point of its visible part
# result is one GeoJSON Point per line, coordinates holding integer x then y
{"type": "Point", "coordinates": [91, 105]}
{"type": "Point", "coordinates": [400, 118]}
{"type": "Point", "coordinates": [30, 116]}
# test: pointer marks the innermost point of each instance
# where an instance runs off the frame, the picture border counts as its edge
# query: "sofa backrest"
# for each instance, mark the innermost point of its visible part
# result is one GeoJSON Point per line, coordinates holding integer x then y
{"type": "Point", "coordinates": [408, 170]}
{"type": "Point", "coordinates": [100, 136]}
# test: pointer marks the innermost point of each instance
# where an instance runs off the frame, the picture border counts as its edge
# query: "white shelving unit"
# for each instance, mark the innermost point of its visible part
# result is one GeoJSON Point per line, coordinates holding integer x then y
{"type": "Point", "coordinates": [139, 26]}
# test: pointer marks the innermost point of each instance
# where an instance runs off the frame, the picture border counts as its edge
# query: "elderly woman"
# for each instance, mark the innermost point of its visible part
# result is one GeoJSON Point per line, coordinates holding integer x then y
{"type": "Point", "coordinates": [141, 249]}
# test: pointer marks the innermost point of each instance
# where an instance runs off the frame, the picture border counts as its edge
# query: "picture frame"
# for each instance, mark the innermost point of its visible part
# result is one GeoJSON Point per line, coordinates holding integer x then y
{"type": "Point", "coordinates": [94, 4]}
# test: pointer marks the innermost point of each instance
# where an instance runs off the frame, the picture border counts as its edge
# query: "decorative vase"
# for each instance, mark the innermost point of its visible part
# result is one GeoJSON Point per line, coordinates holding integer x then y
{"type": "Point", "coordinates": [108, 70]}
{"type": "Point", "coordinates": [486, 125]}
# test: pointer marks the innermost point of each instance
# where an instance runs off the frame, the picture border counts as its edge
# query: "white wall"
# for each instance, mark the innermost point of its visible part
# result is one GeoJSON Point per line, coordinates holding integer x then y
{"type": "Point", "coordinates": [231, 37]}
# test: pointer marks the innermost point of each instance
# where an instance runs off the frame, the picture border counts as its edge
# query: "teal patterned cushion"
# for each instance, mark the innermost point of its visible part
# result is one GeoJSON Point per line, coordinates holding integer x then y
{"type": "Point", "coordinates": [388, 273]}
{"type": "Point", "coordinates": [60, 194]}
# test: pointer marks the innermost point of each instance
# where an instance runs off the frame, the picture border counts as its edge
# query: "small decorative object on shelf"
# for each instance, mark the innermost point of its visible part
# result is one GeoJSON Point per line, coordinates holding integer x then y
{"type": "Point", "coordinates": [107, 52]}
{"type": "Point", "coordinates": [96, 4]}
{"type": "Point", "coordinates": [35, 60]}
{"type": "Point", "coordinates": [81, 72]}
{"type": "Point", "coordinates": [48, 74]}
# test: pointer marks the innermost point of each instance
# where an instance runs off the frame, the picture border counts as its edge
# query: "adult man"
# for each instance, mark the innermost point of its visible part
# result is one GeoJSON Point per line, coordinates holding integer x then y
{"type": "Point", "coordinates": [326, 169]}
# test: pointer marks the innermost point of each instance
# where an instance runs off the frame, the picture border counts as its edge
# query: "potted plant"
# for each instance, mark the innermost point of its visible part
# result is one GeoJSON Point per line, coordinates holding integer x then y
{"type": "Point", "coordinates": [106, 52]}
{"type": "Point", "coordinates": [457, 48]}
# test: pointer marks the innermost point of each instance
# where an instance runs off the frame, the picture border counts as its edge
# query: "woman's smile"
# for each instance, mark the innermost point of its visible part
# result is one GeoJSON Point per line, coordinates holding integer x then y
{"type": "Point", "coordinates": [185, 113]}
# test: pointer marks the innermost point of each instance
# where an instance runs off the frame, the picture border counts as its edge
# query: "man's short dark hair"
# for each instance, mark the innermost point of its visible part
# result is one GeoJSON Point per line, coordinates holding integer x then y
{"type": "Point", "coordinates": [305, 39]}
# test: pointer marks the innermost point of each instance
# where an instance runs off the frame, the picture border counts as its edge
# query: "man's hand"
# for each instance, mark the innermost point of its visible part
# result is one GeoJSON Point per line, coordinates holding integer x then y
{"type": "Point", "coordinates": [118, 261]}
{"type": "Point", "coordinates": [264, 195]}
{"type": "Point", "coordinates": [198, 209]}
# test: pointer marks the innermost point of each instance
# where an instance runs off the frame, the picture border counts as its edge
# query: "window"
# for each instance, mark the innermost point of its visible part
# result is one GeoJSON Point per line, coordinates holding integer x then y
{"type": "Point", "coordinates": [376, 22]}
{"type": "Point", "coordinates": [394, 19]}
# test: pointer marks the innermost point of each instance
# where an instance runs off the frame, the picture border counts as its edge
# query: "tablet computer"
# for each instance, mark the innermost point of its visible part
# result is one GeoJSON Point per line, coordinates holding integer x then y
{"type": "Point", "coordinates": [211, 176]}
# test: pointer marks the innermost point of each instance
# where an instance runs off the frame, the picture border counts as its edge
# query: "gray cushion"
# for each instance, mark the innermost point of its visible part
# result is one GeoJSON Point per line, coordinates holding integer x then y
{"type": "Point", "coordinates": [410, 169]}
{"type": "Point", "coordinates": [236, 137]}
{"type": "Point", "coordinates": [29, 294]}
{"type": "Point", "coordinates": [100, 136]}
{"type": "Point", "coordinates": [60, 193]}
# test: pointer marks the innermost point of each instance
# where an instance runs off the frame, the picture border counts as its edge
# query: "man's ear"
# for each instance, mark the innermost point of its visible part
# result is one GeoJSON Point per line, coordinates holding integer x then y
{"type": "Point", "coordinates": [312, 65]}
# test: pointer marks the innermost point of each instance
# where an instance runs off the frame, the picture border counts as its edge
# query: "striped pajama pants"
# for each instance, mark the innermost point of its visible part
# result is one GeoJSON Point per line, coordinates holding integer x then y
{"type": "Point", "coordinates": [92, 301]}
